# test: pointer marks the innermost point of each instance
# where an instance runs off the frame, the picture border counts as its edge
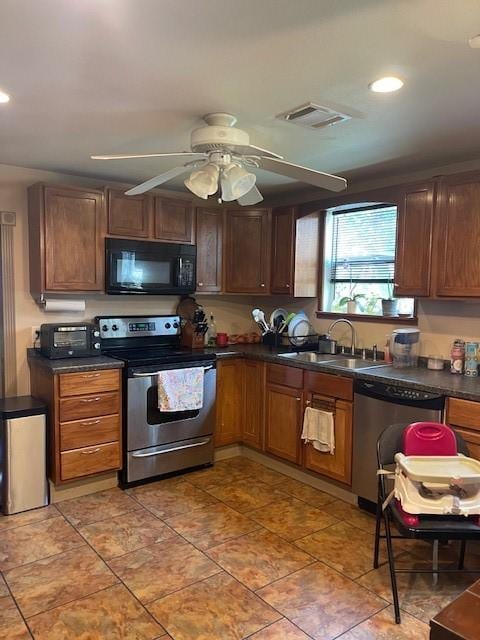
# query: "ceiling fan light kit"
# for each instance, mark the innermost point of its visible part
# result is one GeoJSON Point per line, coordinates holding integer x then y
{"type": "Point", "coordinates": [220, 152]}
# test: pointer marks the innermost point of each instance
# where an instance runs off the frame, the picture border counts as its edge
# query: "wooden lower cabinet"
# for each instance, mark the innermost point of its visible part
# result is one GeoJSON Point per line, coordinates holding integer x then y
{"type": "Point", "coordinates": [464, 417]}
{"type": "Point", "coordinates": [254, 400]}
{"type": "Point", "coordinates": [283, 422]}
{"type": "Point", "coordinates": [230, 401]}
{"type": "Point", "coordinates": [339, 465]}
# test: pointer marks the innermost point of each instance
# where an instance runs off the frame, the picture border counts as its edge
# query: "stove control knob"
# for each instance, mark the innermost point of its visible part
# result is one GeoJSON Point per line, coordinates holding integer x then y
{"type": "Point", "coordinates": [167, 325]}
{"type": "Point", "coordinates": [96, 345]}
{"type": "Point", "coordinates": [114, 327]}
{"type": "Point", "coordinates": [104, 327]}
{"type": "Point", "coordinates": [175, 325]}
{"type": "Point", "coordinates": [96, 334]}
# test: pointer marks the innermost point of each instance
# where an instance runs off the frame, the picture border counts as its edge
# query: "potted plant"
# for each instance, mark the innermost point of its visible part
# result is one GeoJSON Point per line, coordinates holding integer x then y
{"type": "Point", "coordinates": [351, 300]}
{"type": "Point", "coordinates": [390, 305]}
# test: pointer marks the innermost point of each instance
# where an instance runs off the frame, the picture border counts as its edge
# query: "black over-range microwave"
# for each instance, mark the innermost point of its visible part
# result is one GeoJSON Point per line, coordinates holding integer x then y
{"type": "Point", "coordinates": [154, 268]}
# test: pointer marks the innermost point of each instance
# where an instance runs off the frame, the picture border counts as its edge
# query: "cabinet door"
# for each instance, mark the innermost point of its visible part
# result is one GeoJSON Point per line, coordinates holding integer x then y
{"type": "Point", "coordinates": [252, 433]}
{"type": "Point", "coordinates": [283, 422]}
{"type": "Point", "coordinates": [414, 241]}
{"type": "Point", "coordinates": [283, 242]}
{"type": "Point", "coordinates": [230, 401]}
{"type": "Point", "coordinates": [128, 215]}
{"type": "Point", "coordinates": [339, 465]}
{"type": "Point", "coordinates": [247, 255]}
{"type": "Point", "coordinates": [209, 249]}
{"type": "Point", "coordinates": [74, 254]}
{"type": "Point", "coordinates": [457, 237]}
{"type": "Point", "coordinates": [173, 220]}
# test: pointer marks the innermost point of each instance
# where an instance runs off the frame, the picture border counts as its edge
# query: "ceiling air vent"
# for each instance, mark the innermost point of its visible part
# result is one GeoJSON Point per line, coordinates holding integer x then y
{"type": "Point", "coordinates": [313, 116]}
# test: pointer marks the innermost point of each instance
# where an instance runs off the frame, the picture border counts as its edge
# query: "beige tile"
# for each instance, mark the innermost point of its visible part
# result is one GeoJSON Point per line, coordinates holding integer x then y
{"type": "Point", "coordinates": [382, 626]}
{"type": "Point", "coordinates": [245, 495]}
{"type": "Point", "coordinates": [259, 558]}
{"type": "Point", "coordinates": [281, 630]}
{"type": "Point", "coordinates": [291, 518]}
{"type": "Point", "coordinates": [221, 473]}
{"type": "Point", "coordinates": [417, 593]}
{"type": "Point", "coordinates": [208, 527]}
{"type": "Point", "coordinates": [250, 468]}
{"type": "Point", "coordinates": [28, 517]}
{"type": "Point", "coordinates": [12, 626]}
{"type": "Point", "coordinates": [321, 602]}
{"type": "Point", "coordinates": [34, 541]}
{"type": "Point", "coordinates": [304, 492]}
{"type": "Point", "coordinates": [3, 588]}
{"type": "Point", "coordinates": [155, 571]}
{"type": "Point", "coordinates": [218, 608]}
{"type": "Point", "coordinates": [166, 498]}
{"type": "Point", "coordinates": [97, 506]}
{"type": "Point", "coordinates": [48, 583]}
{"type": "Point", "coordinates": [107, 615]}
{"type": "Point", "coordinates": [343, 547]}
{"type": "Point", "coordinates": [351, 514]}
{"type": "Point", "coordinates": [125, 533]}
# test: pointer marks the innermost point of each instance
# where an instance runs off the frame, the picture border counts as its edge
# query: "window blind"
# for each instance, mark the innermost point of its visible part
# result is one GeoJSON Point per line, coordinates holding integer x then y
{"type": "Point", "coordinates": [364, 245]}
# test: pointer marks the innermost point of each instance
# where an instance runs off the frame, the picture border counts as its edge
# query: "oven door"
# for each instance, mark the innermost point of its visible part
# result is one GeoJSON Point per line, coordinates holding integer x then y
{"type": "Point", "coordinates": [147, 426]}
{"type": "Point", "coordinates": [149, 267]}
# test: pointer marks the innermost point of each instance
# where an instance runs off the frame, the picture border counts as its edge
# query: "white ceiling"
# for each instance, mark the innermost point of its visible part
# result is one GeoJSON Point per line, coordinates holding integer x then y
{"type": "Point", "coordinates": [111, 76]}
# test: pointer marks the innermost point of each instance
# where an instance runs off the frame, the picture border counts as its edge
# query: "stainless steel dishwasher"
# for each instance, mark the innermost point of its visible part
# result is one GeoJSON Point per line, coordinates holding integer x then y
{"type": "Point", "coordinates": [376, 406]}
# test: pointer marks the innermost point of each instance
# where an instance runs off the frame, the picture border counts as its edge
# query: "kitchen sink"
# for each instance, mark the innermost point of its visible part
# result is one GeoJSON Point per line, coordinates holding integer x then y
{"type": "Point", "coordinates": [338, 361]}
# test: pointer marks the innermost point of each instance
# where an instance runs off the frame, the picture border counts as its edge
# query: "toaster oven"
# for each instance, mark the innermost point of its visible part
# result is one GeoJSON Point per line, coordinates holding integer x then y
{"type": "Point", "coordinates": [73, 340]}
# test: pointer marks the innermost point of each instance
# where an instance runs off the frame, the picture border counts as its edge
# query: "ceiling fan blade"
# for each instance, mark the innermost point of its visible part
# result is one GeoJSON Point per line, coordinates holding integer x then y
{"type": "Point", "coordinates": [310, 176]}
{"type": "Point", "coordinates": [188, 155]}
{"type": "Point", "coordinates": [154, 182]}
{"type": "Point", "coordinates": [252, 150]}
{"type": "Point", "coordinates": [252, 197]}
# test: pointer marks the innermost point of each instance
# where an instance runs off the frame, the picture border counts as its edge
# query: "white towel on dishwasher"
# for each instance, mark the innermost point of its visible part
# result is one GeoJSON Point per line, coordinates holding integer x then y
{"type": "Point", "coordinates": [180, 389]}
{"type": "Point", "coordinates": [319, 429]}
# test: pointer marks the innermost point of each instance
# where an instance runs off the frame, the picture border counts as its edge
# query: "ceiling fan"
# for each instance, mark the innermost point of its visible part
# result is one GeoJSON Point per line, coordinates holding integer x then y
{"type": "Point", "coordinates": [221, 160]}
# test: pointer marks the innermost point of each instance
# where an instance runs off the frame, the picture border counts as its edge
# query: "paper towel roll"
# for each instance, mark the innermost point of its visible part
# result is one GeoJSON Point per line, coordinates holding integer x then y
{"type": "Point", "coordinates": [64, 305]}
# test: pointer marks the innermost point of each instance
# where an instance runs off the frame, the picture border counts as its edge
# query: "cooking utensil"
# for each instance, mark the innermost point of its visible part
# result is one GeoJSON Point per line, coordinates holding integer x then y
{"type": "Point", "coordinates": [278, 316]}
{"type": "Point", "coordinates": [259, 317]}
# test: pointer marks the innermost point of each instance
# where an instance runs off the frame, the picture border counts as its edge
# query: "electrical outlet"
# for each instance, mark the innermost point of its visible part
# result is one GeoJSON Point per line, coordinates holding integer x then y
{"type": "Point", "coordinates": [35, 335]}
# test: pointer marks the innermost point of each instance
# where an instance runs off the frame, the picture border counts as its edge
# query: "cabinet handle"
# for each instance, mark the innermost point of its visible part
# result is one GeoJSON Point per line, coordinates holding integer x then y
{"type": "Point", "coordinates": [287, 286]}
{"type": "Point", "coordinates": [90, 423]}
{"type": "Point", "coordinates": [308, 402]}
{"type": "Point", "coordinates": [91, 375]}
{"type": "Point", "coordinates": [89, 453]}
{"type": "Point", "coordinates": [97, 399]}
{"type": "Point", "coordinates": [199, 284]}
{"type": "Point", "coordinates": [262, 284]}
{"type": "Point", "coordinates": [298, 399]}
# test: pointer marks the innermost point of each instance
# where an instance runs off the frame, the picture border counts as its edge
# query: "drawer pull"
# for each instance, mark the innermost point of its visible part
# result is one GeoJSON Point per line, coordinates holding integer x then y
{"type": "Point", "coordinates": [89, 453]}
{"type": "Point", "coordinates": [85, 400]}
{"type": "Point", "coordinates": [90, 423]}
{"type": "Point", "coordinates": [91, 375]}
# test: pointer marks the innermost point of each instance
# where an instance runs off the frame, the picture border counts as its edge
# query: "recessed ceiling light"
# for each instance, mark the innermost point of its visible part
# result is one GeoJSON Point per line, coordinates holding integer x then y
{"type": "Point", "coordinates": [4, 97]}
{"type": "Point", "coordinates": [475, 42]}
{"type": "Point", "coordinates": [386, 85]}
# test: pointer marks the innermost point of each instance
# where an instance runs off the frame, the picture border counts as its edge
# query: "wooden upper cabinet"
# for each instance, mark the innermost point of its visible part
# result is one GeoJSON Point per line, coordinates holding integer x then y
{"type": "Point", "coordinates": [247, 255]}
{"type": "Point", "coordinates": [66, 226]}
{"type": "Point", "coordinates": [173, 220]}
{"type": "Point", "coordinates": [414, 240]}
{"type": "Point", "coordinates": [457, 236]}
{"type": "Point", "coordinates": [128, 215]}
{"type": "Point", "coordinates": [283, 249]}
{"type": "Point", "coordinates": [209, 232]}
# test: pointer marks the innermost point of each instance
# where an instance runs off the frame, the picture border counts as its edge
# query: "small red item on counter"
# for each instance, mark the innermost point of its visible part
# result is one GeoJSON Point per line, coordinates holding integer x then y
{"type": "Point", "coordinates": [222, 339]}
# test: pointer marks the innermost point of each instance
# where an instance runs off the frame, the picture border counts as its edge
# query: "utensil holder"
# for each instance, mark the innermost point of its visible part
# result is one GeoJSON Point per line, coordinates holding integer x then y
{"type": "Point", "coordinates": [190, 338]}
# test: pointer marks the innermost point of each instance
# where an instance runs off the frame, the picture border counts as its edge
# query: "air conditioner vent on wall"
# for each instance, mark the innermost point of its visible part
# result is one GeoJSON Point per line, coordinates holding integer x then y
{"type": "Point", "coordinates": [313, 116]}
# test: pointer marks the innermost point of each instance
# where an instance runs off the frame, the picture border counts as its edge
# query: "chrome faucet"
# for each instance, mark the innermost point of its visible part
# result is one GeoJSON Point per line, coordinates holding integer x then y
{"type": "Point", "coordinates": [354, 337]}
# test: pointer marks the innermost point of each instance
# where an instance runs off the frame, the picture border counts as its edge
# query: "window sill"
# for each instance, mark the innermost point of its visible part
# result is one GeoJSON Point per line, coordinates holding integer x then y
{"type": "Point", "coordinates": [362, 317]}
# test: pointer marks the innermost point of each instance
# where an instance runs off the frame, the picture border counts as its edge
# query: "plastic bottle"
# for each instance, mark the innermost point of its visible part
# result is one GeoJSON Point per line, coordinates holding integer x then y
{"type": "Point", "coordinates": [457, 357]}
{"type": "Point", "coordinates": [387, 356]}
{"type": "Point", "coordinates": [212, 332]}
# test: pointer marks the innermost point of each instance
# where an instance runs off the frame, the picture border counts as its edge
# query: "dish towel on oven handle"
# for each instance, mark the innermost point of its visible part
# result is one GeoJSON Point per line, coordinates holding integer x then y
{"type": "Point", "coordinates": [319, 429]}
{"type": "Point", "coordinates": [180, 389]}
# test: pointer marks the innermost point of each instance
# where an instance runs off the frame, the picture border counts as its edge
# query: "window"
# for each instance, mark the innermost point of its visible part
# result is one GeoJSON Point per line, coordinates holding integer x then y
{"type": "Point", "coordinates": [360, 262]}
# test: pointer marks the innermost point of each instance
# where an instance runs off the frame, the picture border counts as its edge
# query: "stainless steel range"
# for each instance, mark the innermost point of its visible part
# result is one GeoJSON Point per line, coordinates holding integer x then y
{"type": "Point", "coordinates": [157, 442]}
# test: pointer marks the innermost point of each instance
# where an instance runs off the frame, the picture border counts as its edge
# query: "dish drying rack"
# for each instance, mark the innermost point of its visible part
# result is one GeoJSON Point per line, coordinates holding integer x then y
{"type": "Point", "coordinates": [283, 340]}
{"type": "Point", "coordinates": [437, 485]}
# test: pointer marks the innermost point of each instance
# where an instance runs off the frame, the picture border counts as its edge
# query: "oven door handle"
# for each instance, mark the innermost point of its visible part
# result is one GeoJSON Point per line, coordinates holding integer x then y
{"type": "Point", "coordinates": [156, 373]}
{"type": "Point", "coordinates": [159, 453]}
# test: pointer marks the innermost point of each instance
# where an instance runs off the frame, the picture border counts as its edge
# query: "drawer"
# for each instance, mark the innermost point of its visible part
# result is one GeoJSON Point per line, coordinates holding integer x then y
{"type": "Point", "coordinates": [101, 404]}
{"type": "Point", "coordinates": [89, 460]}
{"type": "Point", "coordinates": [328, 385]}
{"type": "Point", "coordinates": [84, 433]}
{"type": "Point", "coordinates": [285, 376]}
{"type": "Point", "coordinates": [472, 438]}
{"type": "Point", "coordinates": [463, 413]}
{"type": "Point", "coordinates": [79, 384]}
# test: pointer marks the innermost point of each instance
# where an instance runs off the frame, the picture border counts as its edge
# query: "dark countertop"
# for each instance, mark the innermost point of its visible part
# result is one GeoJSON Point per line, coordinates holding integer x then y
{"type": "Point", "coordinates": [415, 378]}
{"type": "Point", "coordinates": [72, 365]}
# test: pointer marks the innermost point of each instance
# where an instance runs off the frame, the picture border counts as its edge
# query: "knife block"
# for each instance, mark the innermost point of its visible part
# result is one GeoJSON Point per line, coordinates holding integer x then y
{"type": "Point", "coordinates": [190, 338]}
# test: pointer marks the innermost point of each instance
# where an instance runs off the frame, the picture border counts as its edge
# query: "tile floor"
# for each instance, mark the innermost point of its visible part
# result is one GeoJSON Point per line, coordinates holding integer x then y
{"type": "Point", "coordinates": [236, 551]}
